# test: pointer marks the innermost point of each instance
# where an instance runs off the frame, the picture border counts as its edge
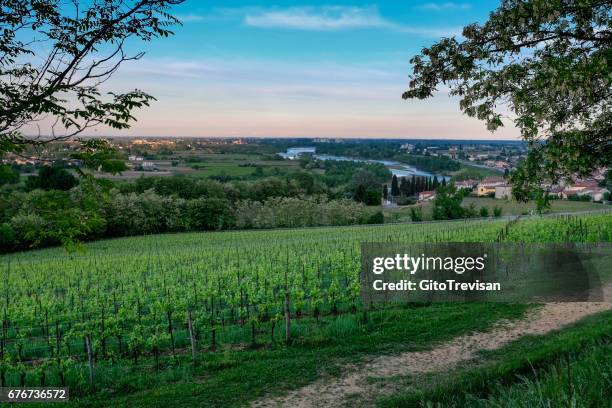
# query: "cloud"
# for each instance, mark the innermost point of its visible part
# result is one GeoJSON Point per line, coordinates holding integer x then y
{"type": "Point", "coordinates": [260, 70]}
{"type": "Point", "coordinates": [318, 19]}
{"type": "Point", "coordinates": [444, 6]}
{"type": "Point", "coordinates": [335, 18]}
{"type": "Point", "coordinates": [188, 18]}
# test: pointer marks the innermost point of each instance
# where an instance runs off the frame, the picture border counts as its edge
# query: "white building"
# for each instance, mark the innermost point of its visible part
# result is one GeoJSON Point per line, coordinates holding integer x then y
{"type": "Point", "coordinates": [427, 195]}
{"type": "Point", "coordinates": [466, 185]}
{"type": "Point", "coordinates": [488, 185]}
{"type": "Point", "coordinates": [596, 193]}
{"type": "Point", "coordinates": [503, 192]}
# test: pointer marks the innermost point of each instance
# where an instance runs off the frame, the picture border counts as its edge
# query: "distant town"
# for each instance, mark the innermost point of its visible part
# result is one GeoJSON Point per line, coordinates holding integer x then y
{"type": "Point", "coordinates": [478, 167]}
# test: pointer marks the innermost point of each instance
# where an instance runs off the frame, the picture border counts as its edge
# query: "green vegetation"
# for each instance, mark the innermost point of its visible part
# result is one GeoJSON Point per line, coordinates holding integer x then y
{"type": "Point", "coordinates": [467, 172]}
{"type": "Point", "coordinates": [566, 368]}
{"type": "Point", "coordinates": [52, 178]}
{"type": "Point", "coordinates": [535, 55]}
{"type": "Point", "coordinates": [430, 163]}
{"type": "Point", "coordinates": [389, 151]}
{"type": "Point", "coordinates": [508, 207]}
{"type": "Point", "coordinates": [77, 38]}
{"type": "Point", "coordinates": [447, 204]}
{"type": "Point", "coordinates": [8, 175]}
{"type": "Point", "coordinates": [234, 376]}
{"type": "Point", "coordinates": [124, 305]}
{"type": "Point", "coordinates": [318, 194]}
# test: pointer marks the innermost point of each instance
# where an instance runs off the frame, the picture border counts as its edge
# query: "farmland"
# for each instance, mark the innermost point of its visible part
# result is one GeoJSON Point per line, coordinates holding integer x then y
{"type": "Point", "coordinates": [160, 303]}
{"type": "Point", "coordinates": [508, 207]}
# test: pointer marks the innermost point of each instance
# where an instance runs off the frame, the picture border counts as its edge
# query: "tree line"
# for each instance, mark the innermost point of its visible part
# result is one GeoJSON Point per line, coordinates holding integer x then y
{"type": "Point", "coordinates": [55, 207]}
{"type": "Point", "coordinates": [411, 186]}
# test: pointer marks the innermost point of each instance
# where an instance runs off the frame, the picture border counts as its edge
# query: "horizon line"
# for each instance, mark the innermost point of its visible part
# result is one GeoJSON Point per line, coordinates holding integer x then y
{"type": "Point", "coordinates": [292, 137]}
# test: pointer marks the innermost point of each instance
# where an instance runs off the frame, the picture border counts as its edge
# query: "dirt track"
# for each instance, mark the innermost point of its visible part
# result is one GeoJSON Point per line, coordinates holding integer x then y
{"type": "Point", "coordinates": [332, 392]}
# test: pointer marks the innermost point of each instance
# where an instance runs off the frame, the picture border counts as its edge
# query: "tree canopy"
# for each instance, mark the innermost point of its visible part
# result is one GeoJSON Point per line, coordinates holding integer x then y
{"type": "Point", "coordinates": [545, 65]}
{"type": "Point", "coordinates": [54, 55]}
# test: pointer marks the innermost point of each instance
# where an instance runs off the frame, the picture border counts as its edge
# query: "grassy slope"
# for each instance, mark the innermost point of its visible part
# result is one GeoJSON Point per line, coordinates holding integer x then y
{"type": "Point", "coordinates": [475, 172]}
{"type": "Point", "coordinates": [571, 367]}
{"type": "Point", "coordinates": [234, 377]}
{"type": "Point", "coordinates": [509, 207]}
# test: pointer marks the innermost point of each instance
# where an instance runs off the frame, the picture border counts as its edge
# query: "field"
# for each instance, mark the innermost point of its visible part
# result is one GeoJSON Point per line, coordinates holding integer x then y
{"type": "Point", "coordinates": [509, 207]}
{"type": "Point", "coordinates": [221, 319]}
{"type": "Point", "coordinates": [201, 164]}
{"type": "Point", "coordinates": [468, 171]}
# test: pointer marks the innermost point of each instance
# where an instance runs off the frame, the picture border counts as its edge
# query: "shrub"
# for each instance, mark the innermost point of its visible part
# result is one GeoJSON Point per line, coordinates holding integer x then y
{"type": "Point", "coordinates": [287, 212]}
{"type": "Point", "coordinates": [416, 214]}
{"type": "Point", "coordinates": [7, 237]}
{"type": "Point", "coordinates": [8, 175]}
{"type": "Point", "coordinates": [403, 200]}
{"type": "Point", "coordinates": [484, 212]}
{"type": "Point", "coordinates": [447, 204]}
{"type": "Point", "coordinates": [210, 214]}
{"type": "Point", "coordinates": [52, 178]}
{"type": "Point", "coordinates": [470, 211]}
{"type": "Point", "coordinates": [376, 218]}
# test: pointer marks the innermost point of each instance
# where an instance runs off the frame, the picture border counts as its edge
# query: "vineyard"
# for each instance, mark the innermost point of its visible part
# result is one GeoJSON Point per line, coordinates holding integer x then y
{"type": "Point", "coordinates": [136, 301]}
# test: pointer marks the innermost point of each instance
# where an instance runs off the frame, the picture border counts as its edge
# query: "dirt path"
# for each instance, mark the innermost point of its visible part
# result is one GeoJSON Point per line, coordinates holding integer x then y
{"type": "Point", "coordinates": [332, 392]}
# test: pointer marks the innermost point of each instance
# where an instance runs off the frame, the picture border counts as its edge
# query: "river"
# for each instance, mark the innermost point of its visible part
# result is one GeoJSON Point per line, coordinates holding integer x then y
{"type": "Point", "coordinates": [396, 168]}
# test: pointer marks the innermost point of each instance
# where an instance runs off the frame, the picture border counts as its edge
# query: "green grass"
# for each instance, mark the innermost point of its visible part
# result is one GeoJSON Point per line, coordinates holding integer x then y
{"type": "Point", "coordinates": [233, 165]}
{"type": "Point", "coordinates": [571, 367]}
{"type": "Point", "coordinates": [208, 169]}
{"type": "Point", "coordinates": [474, 172]}
{"type": "Point", "coordinates": [237, 373]}
{"type": "Point", "coordinates": [509, 207]}
{"type": "Point", "coordinates": [233, 377]}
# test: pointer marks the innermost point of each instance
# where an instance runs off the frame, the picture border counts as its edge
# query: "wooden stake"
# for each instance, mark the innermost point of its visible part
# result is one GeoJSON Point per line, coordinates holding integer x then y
{"type": "Point", "coordinates": [287, 319]}
{"type": "Point", "coordinates": [90, 359]}
{"type": "Point", "coordinates": [191, 336]}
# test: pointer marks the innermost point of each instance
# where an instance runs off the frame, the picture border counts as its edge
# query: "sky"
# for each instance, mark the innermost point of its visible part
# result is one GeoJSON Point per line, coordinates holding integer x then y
{"type": "Point", "coordinates": [334, 68]}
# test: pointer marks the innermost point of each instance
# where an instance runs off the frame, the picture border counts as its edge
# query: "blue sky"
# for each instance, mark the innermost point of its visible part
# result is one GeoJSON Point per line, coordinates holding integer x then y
{"type": "Point", "coordinates": [283, 68]}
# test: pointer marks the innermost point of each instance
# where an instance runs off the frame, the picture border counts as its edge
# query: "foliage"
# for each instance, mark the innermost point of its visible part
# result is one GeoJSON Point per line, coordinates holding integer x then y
{"type": "Point", "coordinates": [51, 218]}
{"type": "Point", "coordinates": [133, 294]}
{"type": "Point", "coordinates": [549, 63]}
{"type": "Point", "coordinates": [395, 191]}
{"type": "Point", "coordinates": [300, 212]}
{"type": "Point", "coordinates": [52, 178]}
{"type": "Point", "coordinates": [416, 214]}
{"type": "Point", "coordinates": [430, 163]}
{"type": "Point", "coordinates": [404, 200]}
{"type": "Point", "coordinates": [542, 200]}
{"type": "Point", "coordinates": [210, 214]}
{"type": "Point", "coordinates": [8, 175]}
{"type": "Point", "coordinates": [468, 172]}
{"type": "Point", "coordinates": [366, 187]}
{"type": "Point", "coordinates": [100, 155]}
{"type": "Point", "coordinates": [447, 204]}
{"type": "Point", "coordinates": [84, 46]}
{"type": "Point", "coordinates": [377, 218]}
